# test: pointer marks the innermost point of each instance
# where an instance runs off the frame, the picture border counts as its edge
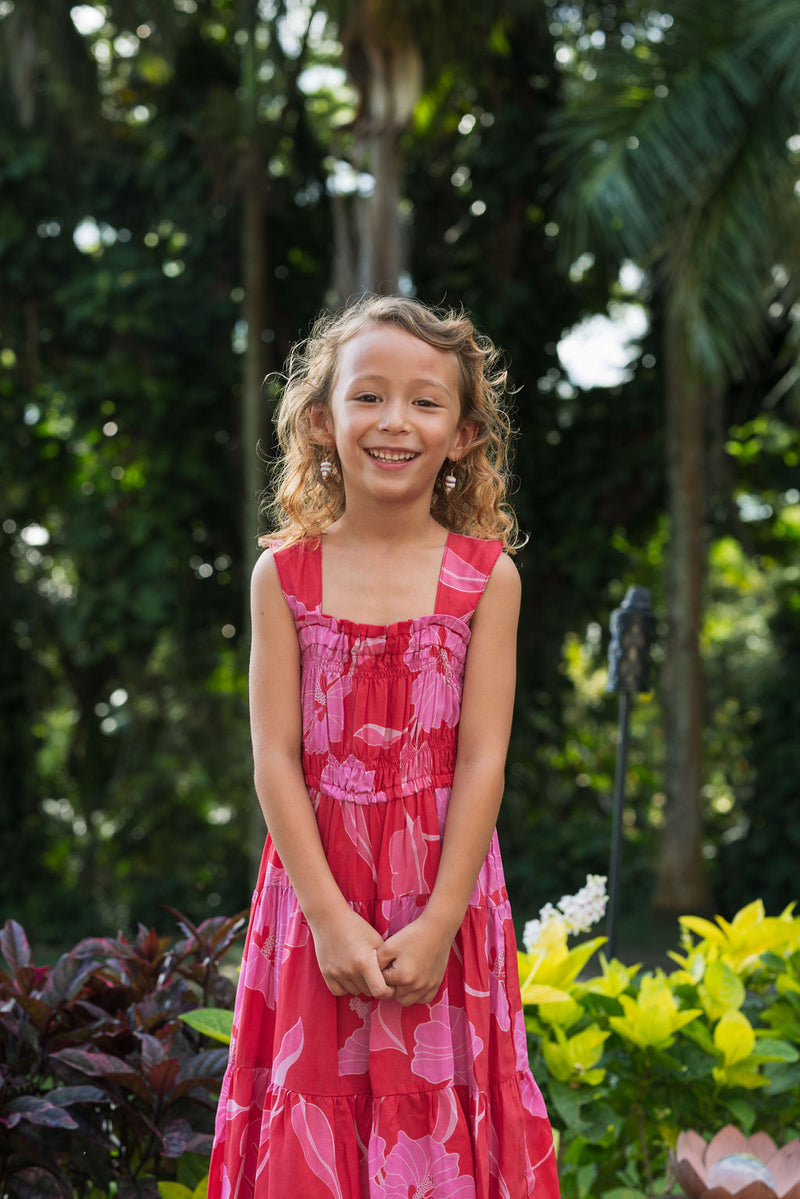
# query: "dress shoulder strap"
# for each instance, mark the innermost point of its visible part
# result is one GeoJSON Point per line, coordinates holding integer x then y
{"type": "Point", "coordinates": [299, 575]}
{"type": "Point", "coordinates": [466, 567]}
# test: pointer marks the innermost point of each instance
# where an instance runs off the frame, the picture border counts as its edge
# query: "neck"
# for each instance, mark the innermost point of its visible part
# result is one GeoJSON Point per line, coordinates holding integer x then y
{"type": "Point", "coordinates": [387, 526]}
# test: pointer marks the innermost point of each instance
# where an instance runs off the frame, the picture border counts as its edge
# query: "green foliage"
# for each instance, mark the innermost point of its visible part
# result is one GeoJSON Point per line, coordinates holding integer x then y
{"type": "Point", "coordinates": [673, 148]}
{"type": "Point", "coordinates": [212, 1022]}
{"type": "Point", "coordinates": [125, 641]}
{"type": "Point", "coordinates": [119, 392]}
{"type": "Point", "coordinates": [103, 1088]}
{"type": "Point", "coordinates": [628, 1059]}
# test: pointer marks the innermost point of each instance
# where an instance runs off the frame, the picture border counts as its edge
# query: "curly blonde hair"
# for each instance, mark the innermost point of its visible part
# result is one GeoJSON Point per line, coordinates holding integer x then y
{"type": "Point", "coordinates": [300, 504]}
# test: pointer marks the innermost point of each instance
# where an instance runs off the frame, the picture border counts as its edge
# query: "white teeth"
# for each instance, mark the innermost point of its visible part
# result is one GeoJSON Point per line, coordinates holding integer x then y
{"type": "Point", "coordinates": [389, 457]}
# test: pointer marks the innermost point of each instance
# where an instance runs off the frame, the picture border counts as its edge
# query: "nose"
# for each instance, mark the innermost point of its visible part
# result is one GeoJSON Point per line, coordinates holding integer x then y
{"type": "Point", "coordinates": [393, 417]}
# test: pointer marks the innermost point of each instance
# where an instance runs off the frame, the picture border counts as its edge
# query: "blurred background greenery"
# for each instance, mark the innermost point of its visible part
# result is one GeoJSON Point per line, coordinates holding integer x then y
{"type": "Point", "coordinates": [611, 190]}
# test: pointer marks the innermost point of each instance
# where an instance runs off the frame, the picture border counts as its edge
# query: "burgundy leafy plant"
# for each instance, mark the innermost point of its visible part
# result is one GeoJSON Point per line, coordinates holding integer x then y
{"type": "Point", "coordinates": [102, 1086]}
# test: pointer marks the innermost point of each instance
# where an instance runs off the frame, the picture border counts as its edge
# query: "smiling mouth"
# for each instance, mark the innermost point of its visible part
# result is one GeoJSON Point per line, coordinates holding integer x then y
{"type": "Point", "coordinates": [393, 455]}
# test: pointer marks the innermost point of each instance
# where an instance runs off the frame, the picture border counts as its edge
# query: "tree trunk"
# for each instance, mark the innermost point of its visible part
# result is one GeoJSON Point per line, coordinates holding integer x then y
{"type": "Point", "coordinates": [255, 312]}
{"type": "Point", "coordinates": [343, 272]}
{"type": "Point", "coordinates": [252, 422]}
{"type": "Point", "coordinates": [385, 67]}
{"type": "Point", "coordinates": [254, 251]}
{"type": "Point", "coordinates": [383, 228]}
{"type": "Point", "coordinates": [681, 884]}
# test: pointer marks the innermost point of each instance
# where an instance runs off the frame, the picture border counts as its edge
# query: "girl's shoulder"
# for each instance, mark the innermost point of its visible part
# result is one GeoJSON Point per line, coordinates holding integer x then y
{"type": "Point", "coordinates": [293, 567]}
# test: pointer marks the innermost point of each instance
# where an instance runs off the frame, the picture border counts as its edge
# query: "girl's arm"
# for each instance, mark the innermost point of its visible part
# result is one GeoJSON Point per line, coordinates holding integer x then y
{"type": "Point", "coordinates": [346, 945]}
{"type": "Point", "coordinates": [414, 959]}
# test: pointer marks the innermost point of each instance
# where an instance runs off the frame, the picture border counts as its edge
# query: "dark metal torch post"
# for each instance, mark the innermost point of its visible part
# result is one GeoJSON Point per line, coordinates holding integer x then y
{"type": "Point", "coordinates": [632, 628]}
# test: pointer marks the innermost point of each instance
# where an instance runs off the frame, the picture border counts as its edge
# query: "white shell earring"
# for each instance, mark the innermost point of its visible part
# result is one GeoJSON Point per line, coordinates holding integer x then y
{"type": "Point", "coordinates": [325, 468]}
{"type": "Point", "coordinates": [450, 480]}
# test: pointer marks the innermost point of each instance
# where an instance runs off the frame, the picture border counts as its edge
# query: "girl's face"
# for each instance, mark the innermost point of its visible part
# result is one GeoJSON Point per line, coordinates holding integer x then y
{"type": "Point", "coordinates": [394, 414]}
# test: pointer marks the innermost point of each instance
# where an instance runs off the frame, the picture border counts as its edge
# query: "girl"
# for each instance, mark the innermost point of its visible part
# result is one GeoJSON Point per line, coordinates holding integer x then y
{"type": "Point", "coordinates": [379, 1043]}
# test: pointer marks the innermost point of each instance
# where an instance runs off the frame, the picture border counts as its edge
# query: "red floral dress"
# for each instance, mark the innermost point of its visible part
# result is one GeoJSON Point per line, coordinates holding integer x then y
{"type": "Point", "coordinates": [349, 1097]}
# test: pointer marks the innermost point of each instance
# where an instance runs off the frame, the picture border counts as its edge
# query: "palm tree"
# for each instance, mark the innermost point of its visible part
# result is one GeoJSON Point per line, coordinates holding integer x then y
{"type": "Point", "coordinates": [392, 50]}
{"type": "Point", "coordinates": [673, 147]}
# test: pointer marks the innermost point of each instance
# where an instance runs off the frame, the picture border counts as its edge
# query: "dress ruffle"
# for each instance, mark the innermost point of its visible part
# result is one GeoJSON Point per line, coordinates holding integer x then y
{"type": "Point", "coordinates": [453, 1142]}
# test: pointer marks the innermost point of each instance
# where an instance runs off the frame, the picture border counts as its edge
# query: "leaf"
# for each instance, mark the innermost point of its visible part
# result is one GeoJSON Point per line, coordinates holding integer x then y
{"type": "Point", "coordinates": [749, 916]}
{"type": "Point", "coordinates": [162, 1077]}
{"type": "Point", "coordinates": [586, 1176]}
{"type": "Point", "coordinates": [535, 993]}
{"type": "Point", "coordinates": [782, 1078]}
{"type": "Point", "coordinates": [64, 1096]}
{"type": "Point", "coordinates": [699, 1033]}
{"type": "Point", "coordinates": [740, 1076]}
{"type": "Point", "coordinates": [188, 1085]}
{"type": "Point", "coordinates": [153, 1051]}
{"type": "Point", "coordinates": [704, 929]}
{"type": "Point", "coordinates": [734, 1038]}
{"type": "Point", "coordinates": [96, 1065]}
{"type": "Point", "coordinates": [722, 989]}
{"type": "Point", "coordinates": [768, 1049]}
{"type": "Point", "coordinates": [174, 1190]}
{"type": "Point", "coordinates": [14, 946]}
{"type": "Point", "coordinates": [36, 1183]}
{"type": "Point", "coordinates": [744, 1112]}
{"type": "Point", "coordinates": [567, 1102]}
{"type": "Point", "coordinates": [176, 1136]}
{"type": "Point", "coordinates": [212, 1022]}
{"type": "Point", "coordinates": [66, 979]}
{"type": "Point", "coordinates": [603, 1124]}
{"type": "Point", "coordinates": [36, 1010]}
{"type": "Point", "coordinates": [104, 1066]}
{"type": "Point", "coordinates": [601, 1004]}
{"type": "Point", "coordinates": [192, 1168]}
{"type": "Point", "coordinates": [37, 1110]}
{"type": "Point", "coordinates": [208, 1065]}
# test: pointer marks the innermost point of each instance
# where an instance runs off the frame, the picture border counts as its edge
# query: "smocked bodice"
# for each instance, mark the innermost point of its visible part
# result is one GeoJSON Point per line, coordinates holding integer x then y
{"type": "Point", "coordinates": [381, 703]}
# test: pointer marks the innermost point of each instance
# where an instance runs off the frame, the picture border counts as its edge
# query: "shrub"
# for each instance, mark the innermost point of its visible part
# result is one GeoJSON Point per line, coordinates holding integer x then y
{"type": "Point", "coordinates": [104, 1089]}
{"type": "Point", "coordinates": [626, 1060]}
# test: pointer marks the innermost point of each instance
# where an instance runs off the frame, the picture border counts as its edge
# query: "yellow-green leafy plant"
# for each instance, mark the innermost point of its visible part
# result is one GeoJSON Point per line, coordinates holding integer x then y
{"type": "Point", "coordinates": [628, 1058]}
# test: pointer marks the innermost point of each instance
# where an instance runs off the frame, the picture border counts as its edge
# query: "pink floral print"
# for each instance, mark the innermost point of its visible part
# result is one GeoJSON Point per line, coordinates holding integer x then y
{"type": "Point", "coordinates": [446, 1046]}
{"type": "Point", "coordinates": [436, 690]}
{"type": "Point", "coordinates": [425, 1170]}
{"type": "Point", "coordinates": [323, 709]}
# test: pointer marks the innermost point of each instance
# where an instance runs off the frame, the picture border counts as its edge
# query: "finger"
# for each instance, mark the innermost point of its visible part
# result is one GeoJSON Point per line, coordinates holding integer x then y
{"type": "Point", "coordinates": [377, 986]}
{"type": "Point", "coordinates": [385, 955]}
{"type": "Point", "coordinates": [407, 997]}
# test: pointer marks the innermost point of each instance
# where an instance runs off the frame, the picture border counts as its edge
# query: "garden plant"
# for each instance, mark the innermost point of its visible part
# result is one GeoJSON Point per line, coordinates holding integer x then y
{"type": "Point", "coordinates": [627, 1059]}
{"type": "Point", "coordinates": [104, 1090]}
{"type": "Point", "coordinates": [112, 1058]}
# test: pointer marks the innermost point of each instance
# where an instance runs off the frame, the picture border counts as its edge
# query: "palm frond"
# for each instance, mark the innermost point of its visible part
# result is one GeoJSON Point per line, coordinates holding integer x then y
{"type": "Point", "coordinates": [679, 158]}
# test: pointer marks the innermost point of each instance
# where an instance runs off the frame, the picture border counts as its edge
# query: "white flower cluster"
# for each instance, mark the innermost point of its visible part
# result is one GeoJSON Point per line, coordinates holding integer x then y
{"type": "Point", "coordinates": [577, 912]}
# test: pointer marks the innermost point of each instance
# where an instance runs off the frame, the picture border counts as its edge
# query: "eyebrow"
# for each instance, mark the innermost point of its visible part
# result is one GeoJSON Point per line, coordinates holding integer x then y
{"type": "Point", "coordinates": [423, 381]}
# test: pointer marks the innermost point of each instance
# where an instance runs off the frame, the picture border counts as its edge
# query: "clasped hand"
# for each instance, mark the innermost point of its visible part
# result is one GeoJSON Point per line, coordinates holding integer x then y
{"type": "Point", "coordinates": [355, 960]}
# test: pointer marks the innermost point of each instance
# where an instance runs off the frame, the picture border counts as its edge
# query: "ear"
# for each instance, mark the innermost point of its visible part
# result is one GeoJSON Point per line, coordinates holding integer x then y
{"type": "Point", "coordinates": [463, 438]}
{"type": "Point", "coordinates": [320, 425]}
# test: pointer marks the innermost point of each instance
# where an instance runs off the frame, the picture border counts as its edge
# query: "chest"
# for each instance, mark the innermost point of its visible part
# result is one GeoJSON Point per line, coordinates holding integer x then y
{"type": "Point", "coordinates": [380, 589]}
